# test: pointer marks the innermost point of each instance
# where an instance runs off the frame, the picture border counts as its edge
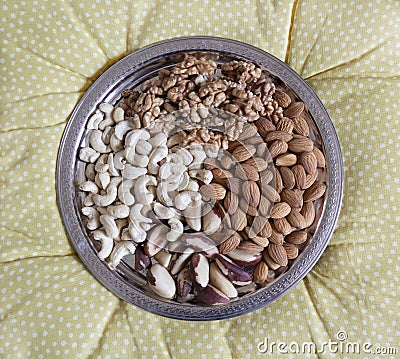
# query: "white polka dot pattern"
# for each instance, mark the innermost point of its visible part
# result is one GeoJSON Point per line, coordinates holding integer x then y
{"type": "Point", "coordinates": [51, 51]}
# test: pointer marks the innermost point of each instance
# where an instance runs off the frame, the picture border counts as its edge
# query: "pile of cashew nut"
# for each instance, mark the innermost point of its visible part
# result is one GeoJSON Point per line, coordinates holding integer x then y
{"type": "Point", "coordinates": [141, 187]}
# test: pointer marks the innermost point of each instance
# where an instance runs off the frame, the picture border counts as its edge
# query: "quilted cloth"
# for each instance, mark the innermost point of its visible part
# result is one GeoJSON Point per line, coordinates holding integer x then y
{"type": "Point", "coordinates": [51, 306]}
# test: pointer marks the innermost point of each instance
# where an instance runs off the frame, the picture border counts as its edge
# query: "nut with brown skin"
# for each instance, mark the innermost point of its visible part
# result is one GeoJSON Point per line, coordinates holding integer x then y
{"type": "Point", "coordinates": [231, 202]}
{"type": "Point", "coordinates": [282, 98]}
{"type": "Point", "coordinates": [229, 244]}
{"type": "Point", "coordinates": [233, 272]}
{"type": "Point", "coordinates": [278, 254]}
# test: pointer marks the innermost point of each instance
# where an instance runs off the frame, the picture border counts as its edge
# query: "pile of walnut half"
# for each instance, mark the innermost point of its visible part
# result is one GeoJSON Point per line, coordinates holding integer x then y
{"type": "Point", "coordinates": [205, 180]}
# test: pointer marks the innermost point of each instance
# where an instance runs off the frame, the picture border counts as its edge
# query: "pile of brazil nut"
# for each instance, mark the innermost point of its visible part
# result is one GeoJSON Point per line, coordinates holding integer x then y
{"type": "Point", "coordinates": [206, 180]}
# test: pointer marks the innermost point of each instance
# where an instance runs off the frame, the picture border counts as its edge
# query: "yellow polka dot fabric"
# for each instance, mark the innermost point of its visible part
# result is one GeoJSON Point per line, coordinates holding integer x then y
{"type": "Point", "coordinates": [51, 307]}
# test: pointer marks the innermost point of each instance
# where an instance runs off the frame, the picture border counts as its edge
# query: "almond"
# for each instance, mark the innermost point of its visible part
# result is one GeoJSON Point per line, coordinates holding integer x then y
{"type": "Point", "coordinates": [301, 144]}
{"type": "Point", "coordinates": [288, 179]}
{"type": "Point", "coordinates": [282, 98]}
{"type": "Point", "coordinates": [207, 193]}
{"type": "Point", "coordinates": [278, 135]}
{"type": "Point", "coordinates": [299, 176]}
{"type": "Point", "coordinates": [232, 145]}
{"type": "Point", "coordinates": [227, 162]}
{"type": "Point", "coordinates": [255, 140]}
{"type": "Point", "coordinates": [260, 164]}
{"type": "Point", "coordinates": [310, 179]}
{"type": "Point", "coordinates": [260, 273]}
{"type": "Point", "coordinates": [261, 241]}
{"type": "Point", "coordinates": [248, 209]}
{"type": "Point", "coordinates": [280, 210]}
{"type": "Point", "coordinates": [314, 192]}
{"type": "Point", "coordinates": [264, 207]}
{"type": "Point", "coordinates": [293, 198]}
{"type": "Point", "coordinates": [229, 244]}
{"type": "Point", "coordinates": [249, 130]}
{"type": "Point", "coordinates": [247, 171]}
{"type": "Point", "coordinates": [277, 147]}
{"type": "Point", "coordinates": [291, 250]}
{"type": "Point", "coordinates": [270, 192]}
{"type": "Point", "coordinates": [220, 176]}
{"type": "Point", "coordinates": [278, 254]}
{"type": "Point", "coordinates": [295, 109]}
{"type": "Point", "coordinates": [268, 260]}
{"type": "Point", "coordinates": [238, 220]}
{"type": "Point", "coordinates": [243, 153]}
{"type": "Point", "coordinates": [308, 161]}
{"type": "Point", "coordinates": [285, 124]}
{"type": "Point", "coordinates": [296, 237]}
{"type": "Point", "coordinates": [287, 159]}
{"type": "Point", "coordinates": [219, 191]}
{"type": "Point", "coordinates": [300, 126]}
{"type": "Point", "coordinates": [251, 193]}
{"type": "Point", "coordinates": [266, 176]}
{"type": "Point", "coordinates": [234, 184]}
{"type": "Point", "coordinates": [264, 126]}
{"type": "Point", "coordinates": [250, 246]}
{"type": "Point", "coordinates": [262, 151]}
{"type": "Point", "coordinates": [296, 219]}
{"type": "Point", "coordinates": [308, 212]}
{"type": "Point", "coordinates": [278, 180]}
{"type": "Point", "coordinates": [259, 227]}
{"type": "Point", "coordinates": [266, 231]}
{"type": "Point", "coordinates": [211, 163]}
{"type": "Point", "coordinates": [231, 202]}
{"type": "Point", "coordinates": [282, 226]}
{"type": "Point", "coordinates": [320, 157]}
{"type": "Point", "coordinates": [275, 236]}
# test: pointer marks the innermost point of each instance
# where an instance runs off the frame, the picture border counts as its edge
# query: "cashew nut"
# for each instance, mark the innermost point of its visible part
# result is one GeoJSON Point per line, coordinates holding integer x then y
{"type": "Point", "coordinates": [143, 147]}
{"type": "Point", "coordinates": [118, 114]}
{"type": "Point", "coordinates": [111, 193]}
{"type": "Point", "coordinates": [119, 160]}
{"type": "Point", "coordinates": [94, 120]}
{"type": "Point", "coordinates": [88, 154]}
{"type": "Point", "coordinates": [93, 218]}
{"type": "Point", "coordinates": [163, 212]}
{"type": "Point", "coordinates": [183, 199]}
{"type": "Point", "coordinates": [131, 140]}
{"type": "Point", "coordinates": [142, 193]}
{"type": "Point", "coordinates": [109, 225]}
{"type": "Point", "coordinates": [96, 141]}
{"type": "Point", "coordinates": [120, 250]}
{"type": "Point", "coordinates": [118, 211]}
{"type": "Point", "coordinates": [116, 144]}
{"type": "Point", "coordinates": [176, 230]}
{"type": "Point", "coordinates": [159, 140]}
{"type": "Point", "coordinates": [107, 109]}
{"type": "Point", "coordinates": [169, 169]}
{"type": "Point", "coordinates": [111, 167]}
{"type": "Point", "coordinates": [166, 193]}
{"type": "Point", "coordinates": [198, 156]}
{"type": "Point", "coordinates": [89, 186]}
{"type": "Point", "coordinates": [158, 154]}
{"type": "Point", "coordinates": [132, 172]}
{"type": "Point", "coordinates": [102, 180]}
{"type": "Point", "coordinates": [136, 214]}
{"type": "Point", "coordinates": [101, 165]}
{"type": "Point", "coordinates": [183, 155]}
{"type": "Point", "coordinates": [122, 128]}
{"type": "Point", "coordinates": [136, 232]}
{"type": "Point", "coordinates": [192, 214]}
{"type": "Point", "coordinates": [124, 192]}
{"type": "Point", "coordinates": [204, 176]}
{"type": "Point", "coordinates": [107, 243]}
{"type": "Point", "coordinates": [90, 172]}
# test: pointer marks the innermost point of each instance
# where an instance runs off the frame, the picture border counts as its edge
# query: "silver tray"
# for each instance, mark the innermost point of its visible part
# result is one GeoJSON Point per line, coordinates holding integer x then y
{"type": "Point", "coordinates": [131, 71]}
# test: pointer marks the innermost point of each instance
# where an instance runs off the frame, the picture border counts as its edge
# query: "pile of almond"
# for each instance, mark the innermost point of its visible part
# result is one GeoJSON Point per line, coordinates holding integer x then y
{"type": "Point", "coordinates": [252, 202]}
